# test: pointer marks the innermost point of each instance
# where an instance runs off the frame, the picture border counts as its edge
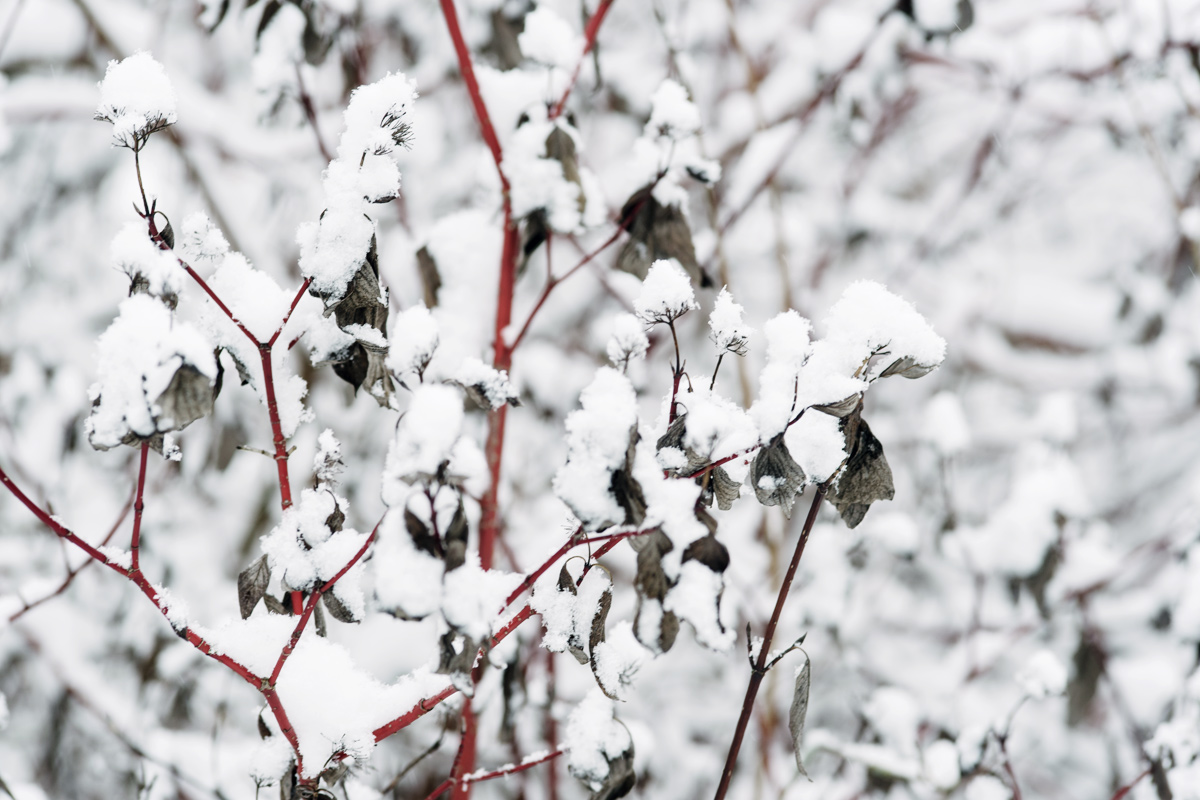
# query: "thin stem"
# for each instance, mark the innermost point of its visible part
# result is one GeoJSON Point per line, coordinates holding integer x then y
{"type": "Point", "coordinates": [464, 762]}
{"type": "Point", "coordinates": [1126, 789]}
{"type": "Point", "coordinates": [220, 304]}
{"type": "Point", "coordinates": [716, 369]}
{"type": "Point", "coordinates": [281, 453]}
{"type": "Point", "coordinates": [295, 302]}
{"type": "Point", "coordinates": [135, 539]}
{"type": "Point", "coordinates": [312, 604]}
{"type": "Point", "coordinates": [71, 573]}
{"type": "Point", "coordinates": [589, 41]}
{"type": "Point", "coordinates": [759, 671]}
{"type": "Point", "coordinates": [136, 578]}
{"type": "Point", "coordinates": [137, 164]}
{"type": "Point", "coordinates": [552, 282]}
{"type": "Point", "coordinates": [310, 112]}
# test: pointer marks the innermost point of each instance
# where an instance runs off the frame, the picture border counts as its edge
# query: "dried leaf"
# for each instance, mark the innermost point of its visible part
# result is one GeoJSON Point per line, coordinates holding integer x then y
{"type": "Point", "coordinates": [363, 303]}
{"type": "Point", "coordinates": [319, 621]}
{"type": "Point", "coordinates": [842, 408]}
{"type": "Point", "coordinates": [421, 536]}
{"type": "Point", "coordinates": [504, 44]}
{"type": "Point", "coordinates": [799, 711]}
{"type": "Point", "coordinates": [620, 779]}
{"type": "Point", "coordinates": [865, 478]}
{"type": "Point", "coordinates": [655, 232]}
{"type": "Point", "coordinates": [336, 519]}
{"type": "Point", "coordinates": [264, 730]}
{"type": "Point", "coordinates": [709, 552]}
{"type": "Point", "coordinates": [455, 539]}
{"type": "Point", "coordinates": [652, 585]}
{"type": "Point", "coordinates": [336, 608]}
{"type": "Point", "coordinates": [1089, 663]}
{"type": "Point", "coordinates": [560, 146]}
{"type": "Point", "coordinates": [907, 367]}
{"type": "Point", "coordinates": [565, 582]}
{"type": "Point", "coordinates": [431, 281]}
{"type": "Point", "coordinates": [187, 398]}
{"type": "Point", "coordinates": [276, 606]}
{"type": "Point", "coordinates": [776, 477]}
{"type": "Point", "coordinates": [725, 488]}
{"type": "Point", "coordinates": [252, 585]}
{"type": "Point", "coordinates": [458, 658]}
{"type": "Point", "coordinates": [597, 636]}
{"type": "Point", "coordinates": [625, 488]}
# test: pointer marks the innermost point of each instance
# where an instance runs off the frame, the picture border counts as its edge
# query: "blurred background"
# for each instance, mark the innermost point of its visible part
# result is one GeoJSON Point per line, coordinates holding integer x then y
{"type": "Point", "coordinates": [1025, 172]}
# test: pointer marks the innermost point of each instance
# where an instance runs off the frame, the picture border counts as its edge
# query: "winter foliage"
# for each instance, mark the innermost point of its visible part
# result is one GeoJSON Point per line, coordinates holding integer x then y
{"type": "Point", "coordinates": [492, 398]}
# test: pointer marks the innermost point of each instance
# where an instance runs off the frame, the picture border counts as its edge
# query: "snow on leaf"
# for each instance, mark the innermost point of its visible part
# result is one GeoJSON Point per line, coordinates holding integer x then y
{"type": "Point", "coordinates": [599, 748]}
{"type": "Point", "coordinates": [156, 374]}
{"type": "Point", "coordinates": [776, 477]}
{"type": "Point", "coordinates": [728, 332]}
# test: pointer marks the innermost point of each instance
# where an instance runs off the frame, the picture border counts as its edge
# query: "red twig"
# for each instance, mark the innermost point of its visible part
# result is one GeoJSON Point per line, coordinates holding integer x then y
{"type": "Point", "coordinates": [71, 573]}
{"type": "Point", "coordinates": [295, 302]}
{"type": "Point", "coordinates": [220, 304]}
{"type": "Point", "coordinates": [532, 577]}
{"type": "Point", "coordinates": [589, 41]}
{"type": "Point", "coordinates": [1124, 790]}
{"type": "Point", "coordinates": [135, 538]}
{"type": "Point", "coordinates": [281, 453]}
{"type": "Point", "coordinates": [427, 704]}
{"type": "Point", "coordinates": [496, 773]}
{"type": "Point", "coordinates": [468, 72]}
{"type": "Point", "coordinates": [312, 604]}
{"type": "Point", "coordinates": [552, 282]}
{"type": "Point", "coordinates": [760, 665]}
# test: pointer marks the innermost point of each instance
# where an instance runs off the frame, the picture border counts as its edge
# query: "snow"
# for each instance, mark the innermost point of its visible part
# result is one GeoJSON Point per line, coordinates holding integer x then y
{"type": "Point", "coordinates": [1043, 675]}
{"type": "Point", "coordinates": [593, 737]}
{"type": "Point", "coordinates": [549, 40]}
{"type": "Point", "coordinates": [327, 464]}
{"type": "Point", "coordinates": [414, 340]}
{"type": "Point", "coordinates": [729, 333]}
{"type": "Point", "coordinates": [331, 703]}
{"type": "Point", "coordinates": [694, 599]}
{"type": "Point", "coordinates": [427, 433]}
{"type": "Point", "coordinates": [628, 340]}
{"type": "Point", "coordinates": [597, 443]}
{"type": "Point", "coordinates": [199, 241]}
{"type": "Point", "coordinates": [492, 384]}
{"type": "Point", "coordinates": [334, 248]}
{"type": "Point", "coordinates": [945, 424]}
{"type": "Point", "coordinates": [4, 716]}
{"type": "Point", "coordinates": [868, 319]}
{"type": "Point", "coordinates": [937, 15]}
{"type": "Point", "coordinates": [666, 294]}
{"type": "Point", "coordinates": [138, 356]}
{"type": "Point", "coordinates": [136, 97]}
{"type": "Point", "coordinates": [673, 114]}
{"type": "Point", "coordinates": [138, 257]}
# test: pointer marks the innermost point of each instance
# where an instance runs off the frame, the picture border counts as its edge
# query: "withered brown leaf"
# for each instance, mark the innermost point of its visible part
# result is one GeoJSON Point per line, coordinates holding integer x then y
{"type": "Point", "coordinates": [775, 476]}
{"type": "Point", "coordinates": [252, 585]}
{"type": "Point", "coordinates": [866, 476]}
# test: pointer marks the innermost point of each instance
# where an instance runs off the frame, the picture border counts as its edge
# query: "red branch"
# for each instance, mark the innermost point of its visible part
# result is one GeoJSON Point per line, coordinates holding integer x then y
{"type": "Point", "coordinates": [135, 538]}
{"type": "Point", "coordinates": [71, 573]}
{"type": "Point", "coordinates": [468, 72]}
{"type": "Point", "coordinates": [496, 773]}
{"type": "Point", "coordinates": [295, 302]}
{"type": "Point", "coordinates": [589, 41]}
{"type": "Point", "coordinates": [312, 604]}
{"type": "Point", "coordinates": [137, 578]}
{"type": "Point", "coordinates": [281, 453]}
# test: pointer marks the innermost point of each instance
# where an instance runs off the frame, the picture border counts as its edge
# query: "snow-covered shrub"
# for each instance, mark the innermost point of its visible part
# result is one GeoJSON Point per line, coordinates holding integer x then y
{"type": "Point", "coordinates": [554, 327]}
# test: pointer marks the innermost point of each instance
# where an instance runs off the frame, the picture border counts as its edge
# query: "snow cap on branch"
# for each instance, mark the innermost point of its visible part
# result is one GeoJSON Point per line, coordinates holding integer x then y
{"type": "Point", "coordinates": [151, 270]}
{"type": "Point", "coordinates": [666, 294]}
{"type": "Point", "coordinates": [137, 98]}
{"type": "Point", "coordinates": [729, 333]}
{"type": "Point", "coordinates": [548, 39]}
